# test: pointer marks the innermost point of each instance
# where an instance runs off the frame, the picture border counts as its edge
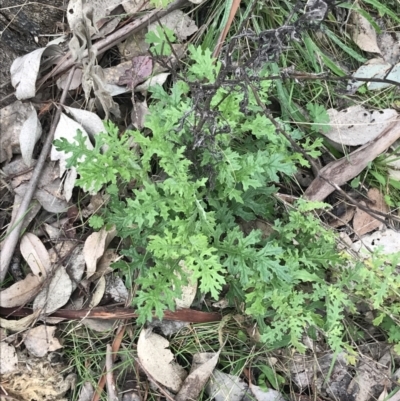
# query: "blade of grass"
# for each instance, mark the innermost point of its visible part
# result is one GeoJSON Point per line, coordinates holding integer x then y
{"type": "Point", "coordinates": [383, 9]}
{"type": "Point", "coordinates": [342, 46]}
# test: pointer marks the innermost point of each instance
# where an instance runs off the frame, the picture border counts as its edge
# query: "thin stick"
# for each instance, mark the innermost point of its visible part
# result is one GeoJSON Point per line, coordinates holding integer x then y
{"type": "Point", "coordinates": [14, 231]}
{"type": "Point", "coordinates": [114, 349]}
{"type": "Point", "coordinates": [106, 313]}
{"type": "Point", "coordinates": [111, 393]}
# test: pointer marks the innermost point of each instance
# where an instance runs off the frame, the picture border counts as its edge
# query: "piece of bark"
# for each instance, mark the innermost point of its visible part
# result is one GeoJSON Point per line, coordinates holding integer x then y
{"type": "Point", "coordinates": [348, 167]}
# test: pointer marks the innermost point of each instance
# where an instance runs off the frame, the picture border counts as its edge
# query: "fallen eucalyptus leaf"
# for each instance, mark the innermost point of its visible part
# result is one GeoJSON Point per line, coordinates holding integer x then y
{"type": "Point", "coordinates": [67, 128]}
{"type": "Point", "coordinates": [21, 292]}
{"type": "Point", "coordinates": [98, 292]}
{"type": "Point", "coordinates": [12, 118]}
{"type": "Point", "coordinates": [56, 294]}
{"type": "Point", "coordinates": [40, 340]}
{"type": "Point", "coordinates": [364, 35]}
{"type": "Point", "coordinates": [36, 255]}
{"type": "Point", "coordinates": [22, 324]}
{"type": "Point", "coordinates": [30, 133]}
{"type": "Point", "coordinates": [90, 121]}
{"type": "Point", "coordinates": [389, 240]}
{"type": "Point", "coordinates": [24, 71]}
{"type": "Point", "coordinates": [94, 248]}
{"type": "Point", "coordinates": [178, 22]}
{"type": "Point", "coordinates": [202, 367]}
{"type": "Point", "coordinates": [156, 80]}
{"type": "Point", "coordinates": [363, 222]}
{"type": "Point", "coordinates": [356, 125]}
{"type": "Point", "coordinates": [158, 360]}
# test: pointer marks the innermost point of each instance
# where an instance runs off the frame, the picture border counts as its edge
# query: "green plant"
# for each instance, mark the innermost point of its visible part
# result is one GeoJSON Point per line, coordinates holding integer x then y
{"type": "Point", "coordinates": [208, 159]}
{"type": "Point", "coordinates": [160, 41]}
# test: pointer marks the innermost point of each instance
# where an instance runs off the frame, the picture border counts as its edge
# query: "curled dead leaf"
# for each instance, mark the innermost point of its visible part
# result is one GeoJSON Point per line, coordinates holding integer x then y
{"type": "Point", "coordinates": [22, 324]}
{"type": "Point", "coordinates": [94, 248]}
{"type": "Point", "coordinates": [364, 222]}
{"type": "Point", "coordinates": [21, 292]}
{"type": "Point", "coordinates": [36, 255]}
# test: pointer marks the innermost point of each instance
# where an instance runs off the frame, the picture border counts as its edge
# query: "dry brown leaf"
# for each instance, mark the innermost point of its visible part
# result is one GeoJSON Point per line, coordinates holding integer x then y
{"type": "Point", "coordinates": [22, 324]}
{"type": "Point", "coordinates": [152, 81]}
{"type": "Point", "coordinates": [33, 210]}
{"type": "Point", "coordinates": [98, 292]}
{"type": "Point", "coordinates": [112, 74]}
{"type": "Point", "coordinates": [266, 394]}
{"type": "Point", "coordinates": [35, 254]}
{"type": "Point", "coordinates": [134, 6]}
{"type": "Point", "coordinates": [115, 289]}
{"type": "Point", "coordinates": [75, 266]}
{"type": "Point", "coordinates": [21, 292]}
{"type": "Point", "coordinates": [202, 368]}
{"type": "Point", "coordinates": [104, 264]}
{"type": "Point", "coordinates": [357, 125]}
{"type": "Point", "coordinates": [344, 218]}
{"type": "Point", "coordinates": [61, 250]}
{"type": "Point", "coordinates": [53, 233]}
{"type": "Point", "coordinates": [139, 112]}
{"type": "Point", "coordinates": [364, 34]}
{"type": "Point", "coordinates": [363, 222]}
{"type": "Point", "coordinates": [179, 22]}
{"type": "Point", "coordinates": [76, 80]}
{"type": "Point", "coordinates": [134, 45]}
{"type": "Point", "coordinates": [90, 121]}
{"type": "Point", "coordinates": [158, 360]}
{"type": "Point", "coordinates": [40, 340]}
{"type": "Point", "coordinates": [30, 133]}
{"type": "Point", "coordinates": [12, 118]}
{"type": "Point", "coordinates": [67, 129]}
{"type": "Point", "coordinates": [141, 68]}
{"type": "Point", "coordinates": [94, 248]}
{"type": "Point", "coordinates": [223, 386]}
{"type": "Point", "coordinates": [343, 170]}
{"type": "Point", "coordinates": [56, 294]}
{"type": "Point", "coordinates": [48, 190]}
{"type": "Point", "coordinates": [390, 47]}
{"type": "Point", "coordinates": [25, 69]}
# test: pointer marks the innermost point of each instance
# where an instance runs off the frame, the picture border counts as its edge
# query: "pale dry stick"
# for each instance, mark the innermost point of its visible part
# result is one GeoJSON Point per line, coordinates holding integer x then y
{"type": "Point", "coordinates": [11, 240]}
{"type": "Point", "coordinates": [114, 349]}
{"type": "Point", "coordinates": [113, 39]}
{"type": "Point", "coordinates": [111, 393]}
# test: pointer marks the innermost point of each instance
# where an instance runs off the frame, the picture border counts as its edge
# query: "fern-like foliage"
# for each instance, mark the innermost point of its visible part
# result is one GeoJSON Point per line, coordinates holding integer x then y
{"type": "Point", "coordinates": [207, 159]}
